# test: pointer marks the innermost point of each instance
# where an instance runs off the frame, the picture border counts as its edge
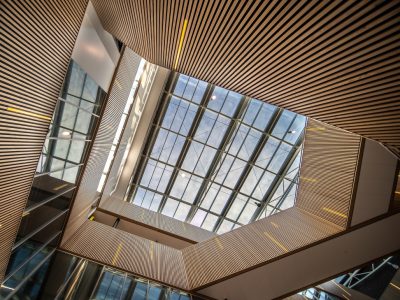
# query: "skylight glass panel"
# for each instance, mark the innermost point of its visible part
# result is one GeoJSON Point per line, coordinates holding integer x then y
{"type": "Point", "coordinates": [219, 160]}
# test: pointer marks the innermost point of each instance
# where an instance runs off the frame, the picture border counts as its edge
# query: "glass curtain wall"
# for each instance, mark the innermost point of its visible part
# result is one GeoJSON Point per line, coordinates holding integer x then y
{"type": "Point", "coordinates": [63, 276]}
{"type": "Point", "coordinates": [218, 159]}
{"type": "Point", "coordinates": [64, 151]}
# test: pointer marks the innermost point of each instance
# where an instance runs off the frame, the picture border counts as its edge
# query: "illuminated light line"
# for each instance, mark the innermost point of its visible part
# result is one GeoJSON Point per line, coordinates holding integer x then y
{"type": "Point", "coordinates": [395, 286]}
{"type": "Point", "coordinates": [7, 287]}
{"type": "Point", "coordinates": [151, 250]}
{"type": "Point", "coordinates": [181, 42]}
{"type": "Point", "coordinates": [344, 296]}
{"type": "Point", "coordinates": [308, 179]}
{"type": "Point", "coordinates": [274, 224]}
{"type": "Point", "coordinates": [118, 84]}
{"type": "Point", "coordinates": [396, 192]}
{"type": "Point", "coordinates": [276, 242]}
{"type": "Point", "coordinates": [24, 112]}
{"type": "Point", "coordinates": [334, 212]}
{"type": "Point", "coordinates": [220, 246]}
{"type": "Point", "coordinates": [116, 255]}
{"type": "Point", "coordinates": [315, 128]}
{"type": "Point", "coordinates": [60, 187]}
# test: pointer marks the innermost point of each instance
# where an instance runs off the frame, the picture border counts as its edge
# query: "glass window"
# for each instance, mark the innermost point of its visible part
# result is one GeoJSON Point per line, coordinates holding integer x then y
{"type": "Point", "coordinates": [225, 153]}
{"type": "Point", "coordinates": [217, 99]}
{"type": "Point", "coordinates": [170, 207]}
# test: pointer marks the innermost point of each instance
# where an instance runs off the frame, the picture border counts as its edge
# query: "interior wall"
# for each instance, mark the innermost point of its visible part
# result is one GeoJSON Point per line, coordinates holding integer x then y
{"type": "Point", "coordinates": [37, 39]}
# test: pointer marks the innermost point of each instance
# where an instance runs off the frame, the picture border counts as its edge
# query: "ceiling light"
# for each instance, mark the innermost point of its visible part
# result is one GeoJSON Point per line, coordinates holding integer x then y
{"type": "Point", "coordinates": [66, 133]}
{"type": "Point", "coordinates": [183, 175]}
{"type": "Point", "coordinates": [292, 131]}
{"type": "Point", "coordinates": [213, 97]}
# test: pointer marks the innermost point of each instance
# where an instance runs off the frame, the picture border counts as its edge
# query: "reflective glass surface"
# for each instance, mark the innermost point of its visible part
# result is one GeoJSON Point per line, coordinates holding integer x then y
{"type": "Point", "coordinates": [219, 160]}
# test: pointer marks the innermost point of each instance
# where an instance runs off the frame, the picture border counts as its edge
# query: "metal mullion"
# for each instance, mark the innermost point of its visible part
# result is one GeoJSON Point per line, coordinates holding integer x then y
{"type": "Point", "coordinates": [26, 278]}
{"type": "Point", "coordinates": [274, 119]}
{"type": "Point", "coordinates": [28, 209]}
{"type": "Point", "coordinates": [184, 136]}
{"type": "Point", "coordinates": [64, 160]}
{"type": "Point", "coordinates": [268, 164]}
{"type": "Point", "coordinates": [153, 133]}
{"type": "Point", "coordinates": [186, 146]}
{"type": "Point", "coordinates": [285, 194]}
{"type": "Point", "coordinates": [177, 110]}
{"type": "Point", "coordinates": [27, 237]}
{"type": "Point", "coordinates": [280, 176]}
{"type": "Point", "coordinates": [56, 138]}
{"type": "Point", "coordinates": [164, 194]}
{"type": "Point", "coordinates": [265, 170]}
{"type": "Point", "coordinates": [27, 260]}
{"type": "Point", "coordinates": [78, 106]}
{"type": "Point", "coordinates": [217, 158]}
{"type": "Point", "coordinates": [76, 118]}
{"type": "Point", "coordinates": [46, 173]}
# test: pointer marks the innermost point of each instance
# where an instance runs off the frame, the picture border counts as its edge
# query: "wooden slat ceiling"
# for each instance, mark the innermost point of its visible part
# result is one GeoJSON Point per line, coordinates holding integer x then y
{"type": "Point", "coordinates": [36, 38]}
{"type": "Point", "coordinates": [335, 61]}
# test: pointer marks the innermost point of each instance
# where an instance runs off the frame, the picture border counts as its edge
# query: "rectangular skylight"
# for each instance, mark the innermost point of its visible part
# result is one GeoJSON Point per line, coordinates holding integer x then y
{"type": "Point", "coordinates": [218, 159]}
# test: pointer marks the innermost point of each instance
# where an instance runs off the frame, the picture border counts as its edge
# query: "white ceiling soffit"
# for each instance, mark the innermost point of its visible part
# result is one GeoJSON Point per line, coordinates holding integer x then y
{"type": "Point", "coordinates": [95, 49]}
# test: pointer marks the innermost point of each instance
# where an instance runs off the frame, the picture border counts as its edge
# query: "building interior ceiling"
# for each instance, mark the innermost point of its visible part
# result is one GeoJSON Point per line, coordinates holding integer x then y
{"type": "Point", "coordinates": [335, 61]}
{"type": "Point", "coordinates": [280, 109]}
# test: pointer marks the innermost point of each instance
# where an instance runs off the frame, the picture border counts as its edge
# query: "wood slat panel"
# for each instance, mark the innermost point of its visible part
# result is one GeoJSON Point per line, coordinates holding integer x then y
{"type": "Point", "coordinates": [327, 172]}
{"type": "Point", "coordinates": [118, 95]}
{"type": "Point", "coordinates": [128, 252]}
{"type": "Point", "coordinates": [156, 220]}
{"type": "Point", "coordinates": [323, 59]}
{"type": "Point", "coordinates": [37, 38]}
{"type": "Point", "coordinates": [251, 245]}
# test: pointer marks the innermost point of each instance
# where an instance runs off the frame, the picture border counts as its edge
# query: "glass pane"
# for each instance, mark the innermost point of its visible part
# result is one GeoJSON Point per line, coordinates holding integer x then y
{"type": "Point", "coordinates": [198, 217]}
{"type": "Point", "coordinates": [252, 111]}
{"type": "Point", "coordinates": [217, 98]}
{"type": "Point", "coordinates": [209, 222]}
{"type": "Point", "coordinates": [279, 157]}
{"type": "Point", "coordinates": [170, 207]}
{"type": "Point", "coordinates": [218, 131]}
{"type": "Point", "coordinates": [206, 125]}
{"type": "Point", "coordinates": [192, 189]}
{"type": "Point", "coordinates": [248, 212]}
{"type": "Point", "coordinates": [283, 124]}
{"type": "Point", "coordinates": [251, 181]}
{"type": "Point", "coordinates": [296, 129]}
{"type": "Point", "coordinates": [210, 194]}
{"type": "Point", "coordinates": [267, 152]}
{"type": "Point", "coordinates": [236, 207]}
{"type": "Point", "coordinates": [225, 227]}
{"type": "Point", "coordinates": [231, 103]}
{"type": "Point", "coordinates": [221, 200]}
{"type": "Point", "coordinates": [264, 116]}
{"type": "Point", "coordinates": [182, 211]}
{"type": "Point", "coordinates": [190, 88]}
{"type": "Point", "coordinates": [180, 85]}
{"type": "Point", "coordinates": [234, 173]}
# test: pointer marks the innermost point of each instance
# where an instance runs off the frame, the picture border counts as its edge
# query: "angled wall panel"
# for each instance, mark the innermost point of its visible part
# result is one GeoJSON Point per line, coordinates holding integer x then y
{"type": "Point", "coordinates": [156, 220]}
{"type": "Point", "coordinates": [129, 252]}
{"type": "Point", "coordinates": [328, 171]}
{"type": "Point", "coordinates": [335, 61]}
{"type": "Point", "coordinates": [118, 95]}
{"type": "Point", "coordinates": [37, 39]}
